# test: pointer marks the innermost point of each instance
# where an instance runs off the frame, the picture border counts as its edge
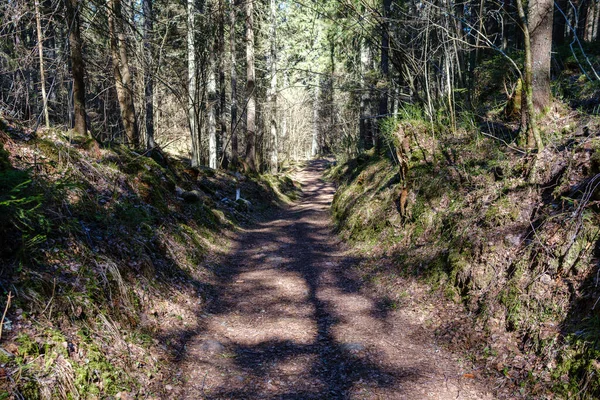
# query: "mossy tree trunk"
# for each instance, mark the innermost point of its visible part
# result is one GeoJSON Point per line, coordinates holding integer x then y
{"type": "Point", "coordinates": [122, 72]}
{"type": "Point", "coordinates": [530, 135]}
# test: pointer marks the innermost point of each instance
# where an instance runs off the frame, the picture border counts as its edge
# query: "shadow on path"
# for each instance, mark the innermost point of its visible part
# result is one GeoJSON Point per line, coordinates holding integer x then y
{"type": "Point", "coordinates": [289, 322]}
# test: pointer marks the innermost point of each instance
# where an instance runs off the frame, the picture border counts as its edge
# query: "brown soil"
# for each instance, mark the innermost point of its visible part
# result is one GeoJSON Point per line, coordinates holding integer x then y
{"type": "Point", "coordinates": [290, 322]}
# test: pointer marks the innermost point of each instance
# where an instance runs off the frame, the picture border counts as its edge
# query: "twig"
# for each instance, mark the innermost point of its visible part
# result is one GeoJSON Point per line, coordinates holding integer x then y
{"type": "Point", "coordinates": [204, 381]}
{"type": "Point", "coordinates": [504, 141]}
{"type": "Point", "coordinates": [51, 298]}
{"type": "Point", "coordinates": [8, 299]}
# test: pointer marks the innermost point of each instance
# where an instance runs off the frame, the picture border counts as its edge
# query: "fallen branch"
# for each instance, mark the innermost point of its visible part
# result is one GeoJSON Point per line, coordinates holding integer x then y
{"type": "Point", "coordinates": [8, 299]}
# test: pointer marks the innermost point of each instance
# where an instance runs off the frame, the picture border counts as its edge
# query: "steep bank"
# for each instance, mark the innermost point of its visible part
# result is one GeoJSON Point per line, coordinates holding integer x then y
{"type": "Point", "coordinates": [463, 213]}
{"type": "Point", "coordinates": [108, 257]}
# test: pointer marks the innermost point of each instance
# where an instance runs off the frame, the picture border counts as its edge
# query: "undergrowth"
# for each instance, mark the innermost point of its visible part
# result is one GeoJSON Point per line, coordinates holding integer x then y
{"type": "Point", "coordinates": [105, 261]}
{"type": "Point", "coordinates": [518, 253]}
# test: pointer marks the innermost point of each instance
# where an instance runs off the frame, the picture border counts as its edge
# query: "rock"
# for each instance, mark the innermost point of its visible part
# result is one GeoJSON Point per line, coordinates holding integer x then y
{"type": "Point", "coordinates": [353, 347]}
{"type": "Point", "coordinates": [212, 347]}
{"type": "Point", "coordinates": [192, 196]}
{"type": "Point", "coordinates": [169, 387]}
{"type": "Point", "coordinates": [513, 239]}
{"type": "Point", "coordinates": [546, 279]}
{"type": "Point", "coordinates": [242, 205]}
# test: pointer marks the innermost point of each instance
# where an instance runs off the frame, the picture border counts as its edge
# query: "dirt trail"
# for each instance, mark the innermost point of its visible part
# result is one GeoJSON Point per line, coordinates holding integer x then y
{"type": "Point", "coordinates": [288, 323]}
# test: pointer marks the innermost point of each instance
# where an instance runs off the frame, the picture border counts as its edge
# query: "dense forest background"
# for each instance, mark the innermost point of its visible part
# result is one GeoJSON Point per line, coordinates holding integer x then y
{"type": "Point", "coordinates": [219, 81]}
{"type": "Point", "coordinates": [467, 160]}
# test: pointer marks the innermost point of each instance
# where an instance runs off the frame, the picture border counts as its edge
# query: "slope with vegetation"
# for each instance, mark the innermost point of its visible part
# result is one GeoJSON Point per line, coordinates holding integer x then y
{"type": "Point", "coordinates": [466, 213]}
{"type": "Point", "coordinates": [107, 260]}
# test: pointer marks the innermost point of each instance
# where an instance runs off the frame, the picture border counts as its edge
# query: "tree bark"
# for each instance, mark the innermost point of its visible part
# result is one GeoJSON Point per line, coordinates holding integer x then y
{"type": "Point", "coordinates": [315, 136]}
{"type": "Point", "coordinates": [40, 38]}
{"type": "Point", "coordinates": [122, 73]}
{"type": "Point", "coordinates": [250, 87]}
{"type": "Point", "coordinates": [192, 81]}
{"type": "Point", "coordinates": [559, 27]}
{"type": "Point", "coordinates": [211, 103]}
{"type": "Point", "coordinates": [148, 73]}
{"type": "Point", "coordinates": [529, 132]}
{"type": "Point", "coordinates": [272, 98]}
{"type": "Point", "coordinates": [222, 139]}
{"type": "Point", "coordinates": [232, 49]}
{"type": "Point", "coordinates": [365, 141]}
{"type": "Point", "coordinates": [540, 19]}
{"type": "Point", "coordinates": [384, 66]}
{"type": "Point", "coordinates": [77, 66]}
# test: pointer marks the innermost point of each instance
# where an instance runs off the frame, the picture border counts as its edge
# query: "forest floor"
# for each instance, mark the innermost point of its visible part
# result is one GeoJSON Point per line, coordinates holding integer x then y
{"type": "Point", "coordinates": [290, 321]}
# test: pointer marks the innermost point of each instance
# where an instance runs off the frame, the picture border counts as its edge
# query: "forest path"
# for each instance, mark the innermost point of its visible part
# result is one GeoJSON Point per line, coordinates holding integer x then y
{"type": "Point", "coordinates": [288, 323]}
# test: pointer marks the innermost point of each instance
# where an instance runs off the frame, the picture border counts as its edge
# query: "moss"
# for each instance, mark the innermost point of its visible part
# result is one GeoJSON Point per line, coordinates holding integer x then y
{"type": "Point", "coordinates": [436, 272]}
{"type": "Point", "coordinates": [28, 347]}
{"type": "Point", "coordinates": [501, 212]}
{"type": "Point", "coordinates": [511, 299]}
{"type": "Point", "coordinates": [577, 367]}
{"type": "Point", "coordinates": [29, 390]}
{"type": "Point", "coordinates": [573, 254]}
{"type": "Point", "coordinates": [97, 376]}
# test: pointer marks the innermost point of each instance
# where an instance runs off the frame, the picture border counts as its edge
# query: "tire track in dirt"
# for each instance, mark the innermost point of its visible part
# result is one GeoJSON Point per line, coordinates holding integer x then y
{"type": "Point", "coordinates": [288, 324]}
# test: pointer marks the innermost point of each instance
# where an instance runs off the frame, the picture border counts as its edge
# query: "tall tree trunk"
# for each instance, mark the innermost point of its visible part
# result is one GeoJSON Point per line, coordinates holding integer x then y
{"type": "Point", "coordinates": [529, 132]}
{"type": "Point", "coordinates": [222, 85]}
{"type": "Point", "coordinates": [540, 19]}
{"type": "Point", "coordinates": [250, 87]}
{"type": "Point", "coordinates": [272, 98]}
{"type": "Point", "coordinates": [121, 71]}
{"type": "Point", "coordinates": [384, 66]}
{"type": "Point", "coordinates": [234, 136]}
{"type": "Point", "coordinates": [559, 27]}
{"type": "Point", "coordinates": [40, 38]}
{"type": "Point", "coordinates": [148, 73]}
{"type": "Point", "coordinates": [211, 104]}
{"type": "Point", "coordinates": [364, 137]}
{"type": "Point", "coordinates": [77, 66]}
{"type": "Point", "coordinates": [192, 81]}
{"type": "Point", "coordinates": [315, 136]}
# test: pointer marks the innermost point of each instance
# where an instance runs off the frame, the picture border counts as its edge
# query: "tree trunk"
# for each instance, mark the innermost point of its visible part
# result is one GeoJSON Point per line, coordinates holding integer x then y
{"type": "Point", "coordinates": [315, 136]}
{"type": "Point", "coordinates": [122, 73]}
{"type": "Point", "coordinates": [192, 78]}
{"type": "Point", "coordinates": [234, 137]}
{"type": "Point", "coordinates": [148, 73]}
{"type": "Point", "coordinates": [364, 137]}
{"type": "Point", "coordinates": [540, 18]}
{"type": "Point", "coordinates": [559, 27]}
{"type": "Point", "coordinates": [40, 38]}
{"type": "Point", "coordinates": [77, 66]}
{"type": "Point", "coordinates": [384, 66]}
{"type": "Point", "coordinates": [222, 86]}
{"type": "Point", "coordinates": [211, 103]}
{"type": "Point", "coordinates": [272, 98]}
{"type": "Point", "coordinates": [250, 87]}
{"type": "Point", "coordinates": [529, 132]}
